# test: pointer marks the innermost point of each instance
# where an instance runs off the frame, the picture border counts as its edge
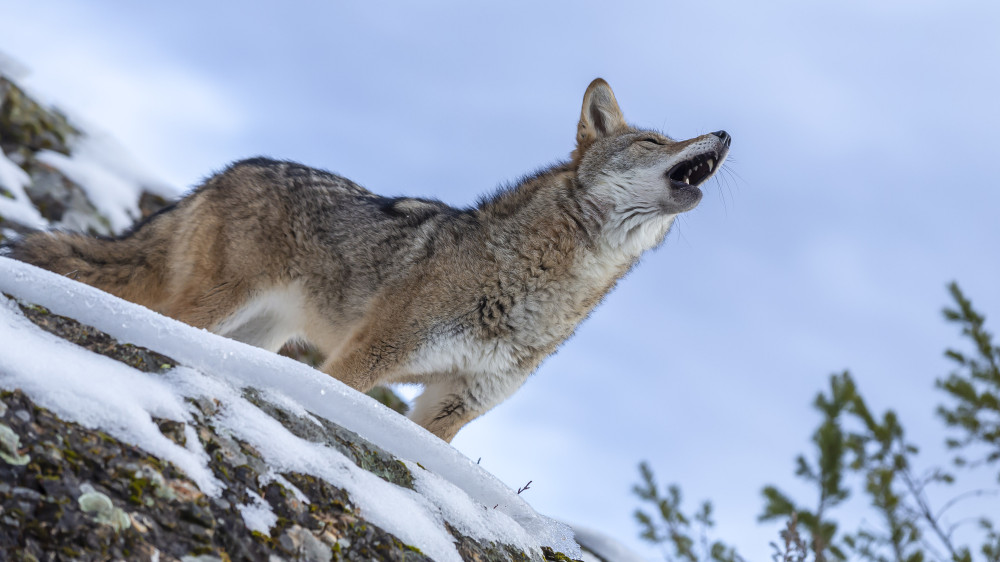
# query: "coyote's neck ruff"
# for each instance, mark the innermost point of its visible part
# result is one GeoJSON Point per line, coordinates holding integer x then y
{"type": "Point", "coordinates": [465, 302]}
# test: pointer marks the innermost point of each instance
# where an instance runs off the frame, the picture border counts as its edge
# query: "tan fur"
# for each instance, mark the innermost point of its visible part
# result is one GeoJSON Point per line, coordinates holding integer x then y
{"type": "Point", "coordinates": [466, 302]}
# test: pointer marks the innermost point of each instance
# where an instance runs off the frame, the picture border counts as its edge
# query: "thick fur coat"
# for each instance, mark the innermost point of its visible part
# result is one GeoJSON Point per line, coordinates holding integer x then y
{"type": "Point", "coordinates": [467, 302]}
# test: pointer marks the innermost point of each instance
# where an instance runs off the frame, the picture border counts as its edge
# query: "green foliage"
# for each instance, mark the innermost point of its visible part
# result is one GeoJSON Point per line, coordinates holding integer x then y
{"type": "Point", "coordinates": [885, 460]}
{"type": "Point", "coordinates": [974, 386]}
{"type": "Point", "coordinates": [991, 548]}
{"type": "Point", "coordinates": [826, 472]}
{"type": "Point", "coordinates": [670, 526]}
{"type": "Point", "coordinates": [851, 440]}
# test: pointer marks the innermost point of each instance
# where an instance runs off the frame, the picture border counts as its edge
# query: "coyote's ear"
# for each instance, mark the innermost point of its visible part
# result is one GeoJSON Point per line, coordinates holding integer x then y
{"type": "Point", "coordinates": [600, 115]}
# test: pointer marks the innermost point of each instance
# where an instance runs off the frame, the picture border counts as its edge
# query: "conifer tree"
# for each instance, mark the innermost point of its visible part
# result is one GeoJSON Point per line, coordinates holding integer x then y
{"type": "Point", "coordinates": [850, 439]}
{"type": "Point", "coordinates": [974, 386]}
{"type": "Point", "coordinates": [671, 526]}
{"type": "Point", "coordinates": [826, 472]}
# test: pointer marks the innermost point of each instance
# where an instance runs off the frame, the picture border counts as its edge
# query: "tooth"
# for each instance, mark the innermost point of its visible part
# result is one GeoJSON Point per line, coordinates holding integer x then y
{"type": "Point", "coordinates": [711, 164]}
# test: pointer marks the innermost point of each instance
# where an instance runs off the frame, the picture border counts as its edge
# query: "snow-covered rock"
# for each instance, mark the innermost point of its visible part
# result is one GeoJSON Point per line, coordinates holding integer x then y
{"type": "Point", "coordinates": [170, 424]}
{"type": "Point", "coordinates": [52, 174]}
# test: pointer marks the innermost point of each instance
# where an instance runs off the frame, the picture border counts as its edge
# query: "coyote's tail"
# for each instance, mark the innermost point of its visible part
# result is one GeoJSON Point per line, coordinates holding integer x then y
{"type": "Point", "coordinates": [132, 267]}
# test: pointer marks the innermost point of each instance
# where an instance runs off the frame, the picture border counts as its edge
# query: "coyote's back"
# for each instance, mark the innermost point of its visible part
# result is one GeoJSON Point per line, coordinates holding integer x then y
{"type": "Point", "coordinates": [467, 302]}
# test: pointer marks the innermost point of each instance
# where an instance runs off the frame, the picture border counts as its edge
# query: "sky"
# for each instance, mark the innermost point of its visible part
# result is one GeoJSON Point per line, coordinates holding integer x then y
{"type": "Point", "coordinates": [859, 183]}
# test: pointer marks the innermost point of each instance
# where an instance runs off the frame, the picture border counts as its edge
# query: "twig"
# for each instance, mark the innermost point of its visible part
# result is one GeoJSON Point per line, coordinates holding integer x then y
{"type": "Point", "coordinates": [966, 495]}
{"type": "Point", "coordinates": [925, 512]}
{"type": "Point", "coordinates": [960, 522]}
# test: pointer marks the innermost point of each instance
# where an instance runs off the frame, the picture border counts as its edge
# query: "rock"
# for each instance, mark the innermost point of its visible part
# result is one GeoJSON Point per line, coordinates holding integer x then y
{"type": "Point", "coordinates": [26, 126]}
{"type": "Point", "coordinates": [62, 201]}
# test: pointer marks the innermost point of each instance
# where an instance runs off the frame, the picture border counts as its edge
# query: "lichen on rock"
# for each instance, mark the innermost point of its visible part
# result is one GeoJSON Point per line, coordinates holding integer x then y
{"type": "Point", "coordinates": [10, 445]}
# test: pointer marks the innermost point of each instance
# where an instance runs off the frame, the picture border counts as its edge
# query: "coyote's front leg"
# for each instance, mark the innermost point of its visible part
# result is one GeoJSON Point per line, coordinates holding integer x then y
{"type": "Point", "coordinates": [451, 397]}
{"type": "Point", "coordinates": [444, 407]}
{"type": "Point", "coordinates": [366, 363]}
{"type": "Point", "coordinates": [453, 400]}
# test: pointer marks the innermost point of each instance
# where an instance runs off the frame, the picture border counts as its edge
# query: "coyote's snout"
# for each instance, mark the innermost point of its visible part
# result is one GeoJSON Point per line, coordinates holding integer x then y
{"type": "Point", "coordinates": [467, 302]}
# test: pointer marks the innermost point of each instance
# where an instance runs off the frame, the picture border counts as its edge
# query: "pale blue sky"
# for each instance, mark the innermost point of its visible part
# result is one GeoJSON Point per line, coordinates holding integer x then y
{"type": "Point", "coordinates": [863, 181]}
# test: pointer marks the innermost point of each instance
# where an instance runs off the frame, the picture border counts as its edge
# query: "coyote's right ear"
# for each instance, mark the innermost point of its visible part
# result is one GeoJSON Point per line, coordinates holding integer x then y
{"type": "Point", "coordinates": [600, 115]}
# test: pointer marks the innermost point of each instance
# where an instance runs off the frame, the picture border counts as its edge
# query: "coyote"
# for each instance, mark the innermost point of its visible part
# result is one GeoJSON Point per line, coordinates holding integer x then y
{"type": "Point", "coordinates": [467, 302]}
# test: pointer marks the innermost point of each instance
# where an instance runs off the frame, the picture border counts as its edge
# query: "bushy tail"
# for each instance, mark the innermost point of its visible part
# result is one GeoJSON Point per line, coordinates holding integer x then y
{"type": "Point", "coordinates": [132, 267]}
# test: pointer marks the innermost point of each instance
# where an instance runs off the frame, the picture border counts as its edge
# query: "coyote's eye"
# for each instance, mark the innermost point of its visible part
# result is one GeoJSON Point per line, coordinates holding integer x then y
{"type": "Point", "coordinates": [649, 142]}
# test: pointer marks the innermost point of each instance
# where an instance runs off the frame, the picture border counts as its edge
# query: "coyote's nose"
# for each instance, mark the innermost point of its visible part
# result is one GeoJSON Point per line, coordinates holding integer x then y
{"type": "Point", "coordinates": [724, 136]}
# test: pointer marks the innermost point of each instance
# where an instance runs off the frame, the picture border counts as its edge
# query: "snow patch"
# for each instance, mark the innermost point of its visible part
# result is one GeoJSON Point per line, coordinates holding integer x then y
{"type": "Point", "coordinates": [19, 209]}
{"type": "Point", "coordinates": [258, 515]}
{"type": "Point", "coordinates": [604, 546]}
{"type": "Point", "coordinates": [12, 68]}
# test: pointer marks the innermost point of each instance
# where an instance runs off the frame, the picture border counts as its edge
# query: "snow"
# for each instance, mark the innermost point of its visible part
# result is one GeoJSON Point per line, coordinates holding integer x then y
{"type": "Point", "coordinates": [258, 515]}
{"type": "Point", "coordinates": [11, 67]}
{"type": "Point", "coordinates": [120, 400]}
{"type": "Point", "coordinates": [604, 546]}
{"type": "Point", "coordinates": [19, 209]}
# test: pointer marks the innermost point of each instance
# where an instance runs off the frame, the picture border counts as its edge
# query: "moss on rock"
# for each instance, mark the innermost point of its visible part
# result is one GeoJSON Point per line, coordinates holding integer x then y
{"type": "Point", "coordinates": [25, 124]}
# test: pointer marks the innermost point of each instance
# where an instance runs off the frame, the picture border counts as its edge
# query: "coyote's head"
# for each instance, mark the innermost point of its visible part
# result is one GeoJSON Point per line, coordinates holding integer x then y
{"type": "Point", "coordinates": [638, 180]}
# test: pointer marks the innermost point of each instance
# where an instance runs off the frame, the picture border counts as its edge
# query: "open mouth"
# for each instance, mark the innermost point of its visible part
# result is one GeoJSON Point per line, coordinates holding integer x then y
{"type": "Point", "coordinates": [694, 170]}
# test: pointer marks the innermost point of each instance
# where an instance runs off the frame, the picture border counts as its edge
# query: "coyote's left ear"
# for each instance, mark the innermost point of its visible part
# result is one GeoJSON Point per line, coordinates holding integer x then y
{"type": "Point", "coordinates": [600, 115]}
